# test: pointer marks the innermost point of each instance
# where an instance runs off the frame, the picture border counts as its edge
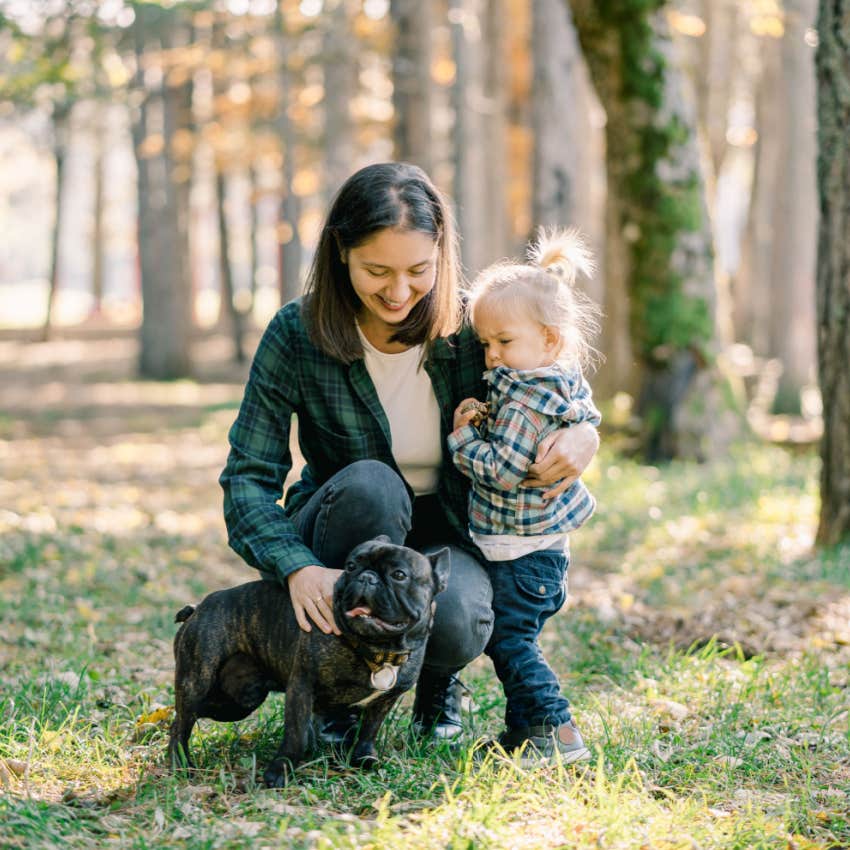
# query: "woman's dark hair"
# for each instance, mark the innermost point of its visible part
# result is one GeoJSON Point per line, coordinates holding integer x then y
{"type": "Point", "coordinates": [385, 195]}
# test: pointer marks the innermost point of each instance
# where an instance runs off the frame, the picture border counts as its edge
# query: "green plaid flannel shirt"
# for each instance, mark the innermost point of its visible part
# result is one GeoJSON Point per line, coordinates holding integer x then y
{"type": "Point", "coordinates": [340, 420]}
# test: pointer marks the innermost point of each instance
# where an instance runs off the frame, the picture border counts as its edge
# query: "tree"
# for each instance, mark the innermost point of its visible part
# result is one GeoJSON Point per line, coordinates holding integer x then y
{"type": "Point", "coordinates": [833, 266]}
{"type": "Point", "coordinates": [289, 240]}
{"type": "Point", "coordinates": [469, 160]}
{"type": "Point", "coordinates": [162, 143]}
{"type": "Point", "coordinates": [792, 278]}
{"type": "Point", "coordinates": [412, 87]}
{"type": "Point", "coordinates": [658, 237]}
{"type": "Point", "coordinates": [340, 84]}
{"type": "Point", "coordinates": [51, 68]}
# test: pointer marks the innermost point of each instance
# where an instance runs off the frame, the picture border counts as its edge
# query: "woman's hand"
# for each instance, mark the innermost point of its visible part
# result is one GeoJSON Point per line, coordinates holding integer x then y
{"type": "Point", "coordinates": [561, 457]}
{"type": "Point", "coordinates": [311, 590]}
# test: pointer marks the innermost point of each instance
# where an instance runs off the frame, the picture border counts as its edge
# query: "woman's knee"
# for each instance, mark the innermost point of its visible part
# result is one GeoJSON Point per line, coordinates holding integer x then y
{"type": "Point", "coordinates": [361, 501]}
{"type": "Point", "coordinates": [373, 488]}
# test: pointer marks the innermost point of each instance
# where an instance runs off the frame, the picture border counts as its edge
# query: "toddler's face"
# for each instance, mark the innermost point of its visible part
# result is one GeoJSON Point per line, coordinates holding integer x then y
{"type": "Point", "coordinates": [514, 339]}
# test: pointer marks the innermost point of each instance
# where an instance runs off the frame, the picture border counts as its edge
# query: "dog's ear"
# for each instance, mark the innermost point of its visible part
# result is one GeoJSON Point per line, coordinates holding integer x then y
{"type": "Point", "coordinates": [441, 565]}
{"type": "Point", "coordinates": [382, 538]}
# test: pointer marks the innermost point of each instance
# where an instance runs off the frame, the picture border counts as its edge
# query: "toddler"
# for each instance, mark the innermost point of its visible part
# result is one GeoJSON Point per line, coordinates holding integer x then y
{"type": "Point", "coordinates": [534, 327]}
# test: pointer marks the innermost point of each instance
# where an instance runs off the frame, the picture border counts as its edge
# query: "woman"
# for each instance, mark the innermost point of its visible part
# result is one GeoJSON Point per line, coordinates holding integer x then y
{"type": "Point", "coordinates": [373, 361]}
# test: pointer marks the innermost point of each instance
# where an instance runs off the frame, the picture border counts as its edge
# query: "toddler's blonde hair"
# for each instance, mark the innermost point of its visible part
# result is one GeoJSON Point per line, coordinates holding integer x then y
{"type": "Point", "coordinates": [544, 288]}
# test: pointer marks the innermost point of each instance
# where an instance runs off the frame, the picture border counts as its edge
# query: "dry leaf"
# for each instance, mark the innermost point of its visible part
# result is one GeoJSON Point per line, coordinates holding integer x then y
{"type": "Point", "coordinates": [156, 716]}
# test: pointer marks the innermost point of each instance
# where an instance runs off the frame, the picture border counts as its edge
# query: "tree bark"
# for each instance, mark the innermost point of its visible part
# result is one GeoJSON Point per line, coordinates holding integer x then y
{"type": "Point", "coordinates": [560, 175]}
{"type": "Point", "coordinates": [289, 241]}
{"type": "Point", "coordinates": [567, 165]}
{"type": "Point", "coordinates": [340, 70]}
{"type": "Point", "coordinates": [235, 317]}
{"type": "Point", "coordinates": [714, 79]}
{"type": "Point", "coordinates": [468, 100]}
{"type": "Point", "coordinates": [752, 288]}
{"type": "Point", "coordinates": [833, 266]}
{"type": "Point", "coordinates": [659, 233]}
{"type": "Point", "coordinates": [162, 230]}
{"type": "Point", "coordinates": [494, 126]}
{"type": "Point", "coordinates": [412, 86]}
{"type": "Point", "coordinates": [795, 210]}
{"type": "Point", "coordinates": [61, 125]}
{"type": "Point", "coordinates": [97, 240]}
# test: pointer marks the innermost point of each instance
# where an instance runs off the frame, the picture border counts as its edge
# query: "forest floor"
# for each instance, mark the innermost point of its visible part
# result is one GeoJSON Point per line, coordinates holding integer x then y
{"type": "Point", "coordinates": [705, 648]}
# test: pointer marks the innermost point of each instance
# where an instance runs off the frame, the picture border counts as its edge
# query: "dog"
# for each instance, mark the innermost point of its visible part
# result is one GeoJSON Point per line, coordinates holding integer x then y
{"type": "Point", "coordinates": [240, 644]}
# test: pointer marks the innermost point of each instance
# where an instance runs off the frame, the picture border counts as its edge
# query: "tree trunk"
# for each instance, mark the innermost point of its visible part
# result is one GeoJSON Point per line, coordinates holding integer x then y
{"type": "Point", "coordinates": [340, 69]}
{"type": "Point", "coordinates": [567, 165]}
{"type": "Point", "coordinates": [833, 266]}
{"type": "Point", "coordinates": [412, 86]}
{"type": "Point", "coordinates": [468, 98]}
{"type": "Point", "coordinates": [752, 288]}
{"type": "Point", "coordinates": [655, 183]}
{"type": "Point", "coordinates": [561, 176]}
{"type": "Point", "coordinates": [255, 181]}
{"type": "Point", "coordinates": [289, 241]}
{"type": "Point", "coordinates": [715, 78]}
{"type": "Point", "coordinates": [97, 241]}
{"type": "Point", "coordinates": [494, 125]}
{"type": "Point", "coordinates": [792, 312]}
{"type": "Point", "coordinates": [166, 314]}
{"type": "Point", "coordinates": [235, 317]}
{"type": "Point", "coordinates": [61, 121]}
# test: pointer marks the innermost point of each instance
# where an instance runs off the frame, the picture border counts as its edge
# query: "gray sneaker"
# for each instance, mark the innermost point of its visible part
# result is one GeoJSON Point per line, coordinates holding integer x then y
{"type": "Point", "coordinates": [537, 745]}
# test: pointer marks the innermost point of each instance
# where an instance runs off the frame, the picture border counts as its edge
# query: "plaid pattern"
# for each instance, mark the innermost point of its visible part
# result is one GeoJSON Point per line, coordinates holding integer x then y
{"type": "Point", "coordinates": [340, 420]}
{"type": "Point", "coordinates": [525, 406]}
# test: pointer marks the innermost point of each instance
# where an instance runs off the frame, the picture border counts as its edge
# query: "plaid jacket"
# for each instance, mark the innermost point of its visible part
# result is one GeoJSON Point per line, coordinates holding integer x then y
{"type": "Point", "coordinates": [340, 420]}
{"type": "Point", "coordinates": [525, 406]}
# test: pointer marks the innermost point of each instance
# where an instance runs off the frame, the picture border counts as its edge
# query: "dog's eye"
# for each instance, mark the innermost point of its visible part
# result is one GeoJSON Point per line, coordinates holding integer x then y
{"type": "Point", "coordinates": [399, 575]}
{"type": "Point", "coordinates": [350, 565]}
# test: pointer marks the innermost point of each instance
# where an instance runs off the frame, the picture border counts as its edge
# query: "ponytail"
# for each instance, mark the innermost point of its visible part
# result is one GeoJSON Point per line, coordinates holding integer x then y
{"type": "Point", "coordinates": [562, 252]}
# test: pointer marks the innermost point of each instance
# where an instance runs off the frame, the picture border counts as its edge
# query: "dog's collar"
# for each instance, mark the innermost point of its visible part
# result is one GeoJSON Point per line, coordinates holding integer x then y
{"type": "Point", "coordinates": [384, 665]}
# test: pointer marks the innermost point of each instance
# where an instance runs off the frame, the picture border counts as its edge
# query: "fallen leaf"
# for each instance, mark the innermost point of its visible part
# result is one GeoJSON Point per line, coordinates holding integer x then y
{"type": "Point", "coordinates": [156, 716]}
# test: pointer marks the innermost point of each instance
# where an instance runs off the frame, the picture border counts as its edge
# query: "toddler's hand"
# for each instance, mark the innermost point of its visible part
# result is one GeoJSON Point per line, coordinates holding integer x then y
{"type": "Point", "coordinates": [469, 411]}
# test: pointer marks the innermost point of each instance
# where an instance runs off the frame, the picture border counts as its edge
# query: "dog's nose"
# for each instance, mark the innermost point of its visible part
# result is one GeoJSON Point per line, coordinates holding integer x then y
{"type": "Point", "coordinates": [368, 577]}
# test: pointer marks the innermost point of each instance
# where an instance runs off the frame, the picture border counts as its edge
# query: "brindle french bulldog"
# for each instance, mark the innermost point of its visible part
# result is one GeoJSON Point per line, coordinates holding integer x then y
{"type": "Point", "coordinates": [241, 643]}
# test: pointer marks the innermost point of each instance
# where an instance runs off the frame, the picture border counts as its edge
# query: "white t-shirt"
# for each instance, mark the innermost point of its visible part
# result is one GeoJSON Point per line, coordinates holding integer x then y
{"type": "Point", "coordinates": [407, 396]}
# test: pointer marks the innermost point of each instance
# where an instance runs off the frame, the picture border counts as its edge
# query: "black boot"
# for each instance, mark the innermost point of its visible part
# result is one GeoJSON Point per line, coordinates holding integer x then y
{"type": "Point", "coordinates": [436, 708]}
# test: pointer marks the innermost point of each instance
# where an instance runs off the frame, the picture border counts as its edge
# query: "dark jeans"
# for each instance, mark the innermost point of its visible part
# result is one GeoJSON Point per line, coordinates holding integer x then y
{"type": "Point", "coordinates": [527, 591]}
{"type": "Point", "coordinates": [368, 498]}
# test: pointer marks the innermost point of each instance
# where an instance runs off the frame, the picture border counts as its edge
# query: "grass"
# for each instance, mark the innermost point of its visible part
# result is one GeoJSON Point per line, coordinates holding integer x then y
{"type": "Point", "coordinates": [705, 650]}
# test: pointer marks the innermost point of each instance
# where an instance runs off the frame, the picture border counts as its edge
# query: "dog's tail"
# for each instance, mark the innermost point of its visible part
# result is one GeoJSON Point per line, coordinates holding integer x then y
{"type": "Point", "coordinates": [184, 613]}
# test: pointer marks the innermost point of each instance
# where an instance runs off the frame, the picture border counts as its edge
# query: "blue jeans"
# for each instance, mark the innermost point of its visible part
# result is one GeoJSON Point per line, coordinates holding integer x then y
{"type": "Point", "coordinates": [527, 591]}
{"type": "Point", "coordinates": [368, 498]}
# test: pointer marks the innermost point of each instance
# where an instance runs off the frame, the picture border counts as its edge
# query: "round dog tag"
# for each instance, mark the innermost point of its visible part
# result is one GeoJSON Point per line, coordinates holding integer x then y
{"type": "Point", "coordinates": [384, 678]}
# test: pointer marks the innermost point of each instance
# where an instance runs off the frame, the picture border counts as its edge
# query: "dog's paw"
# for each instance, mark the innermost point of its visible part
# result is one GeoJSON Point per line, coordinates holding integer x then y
{"type": "Point", "coordinates": [278, 774]}
{"type": "Point", "coordinates": [365, 756]}
{"type": "Point", "coordinates": [179, 760]}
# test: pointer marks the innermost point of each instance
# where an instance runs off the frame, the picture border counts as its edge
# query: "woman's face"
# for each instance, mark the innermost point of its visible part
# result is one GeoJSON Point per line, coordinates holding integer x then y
{"type": "Point", "coordinates": [391, 273]}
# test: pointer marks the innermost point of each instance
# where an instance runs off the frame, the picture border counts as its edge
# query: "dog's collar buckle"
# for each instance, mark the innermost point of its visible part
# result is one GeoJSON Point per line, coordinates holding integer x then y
{"type": "Point", "coordinates": [384, 678]}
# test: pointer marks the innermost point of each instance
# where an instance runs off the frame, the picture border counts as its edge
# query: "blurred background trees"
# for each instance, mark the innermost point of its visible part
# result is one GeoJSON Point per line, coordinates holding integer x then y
{"type": "Point", "coordinates": [165, 167]}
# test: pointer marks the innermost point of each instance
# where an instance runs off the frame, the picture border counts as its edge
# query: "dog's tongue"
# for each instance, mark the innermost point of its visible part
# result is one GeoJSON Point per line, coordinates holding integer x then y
{"type": "Point", "coordinates": [356, 612]}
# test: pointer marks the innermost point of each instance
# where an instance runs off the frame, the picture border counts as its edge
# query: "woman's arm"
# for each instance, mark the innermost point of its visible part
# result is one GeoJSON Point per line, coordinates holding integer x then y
{"type": "Point", "coordinates": [259, 460]}
{"type": "Point", "coordinates": [561, 458]}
